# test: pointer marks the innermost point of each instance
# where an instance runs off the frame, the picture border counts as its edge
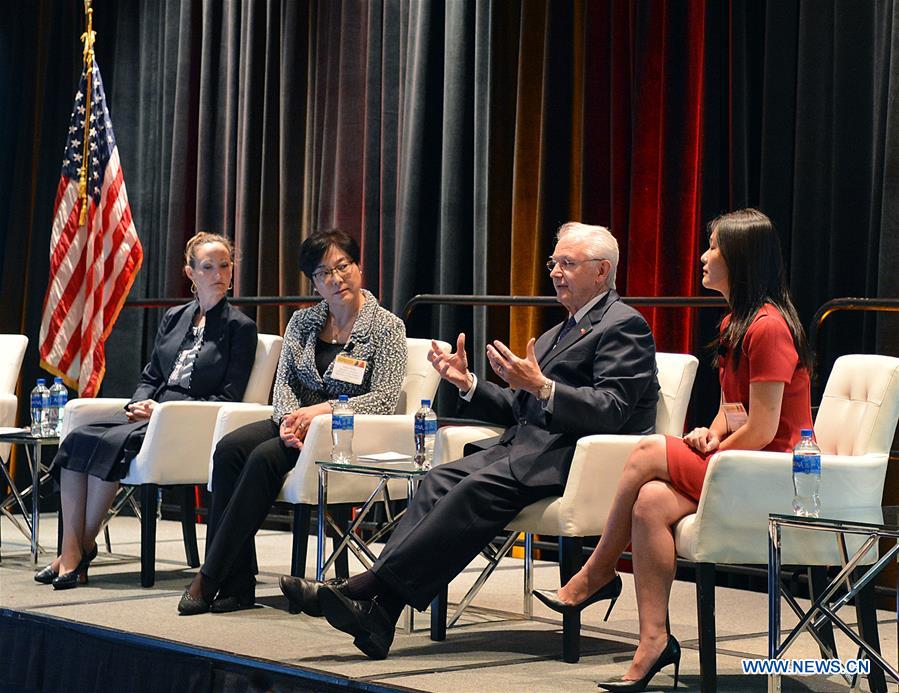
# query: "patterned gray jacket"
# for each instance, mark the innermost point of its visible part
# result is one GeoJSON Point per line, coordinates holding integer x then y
{"type": "Point", "coordinates": [378, 338]}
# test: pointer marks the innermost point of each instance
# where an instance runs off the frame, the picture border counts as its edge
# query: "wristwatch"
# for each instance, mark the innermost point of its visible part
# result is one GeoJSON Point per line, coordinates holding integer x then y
{"type": "Point", "coordinates": [545, 391]}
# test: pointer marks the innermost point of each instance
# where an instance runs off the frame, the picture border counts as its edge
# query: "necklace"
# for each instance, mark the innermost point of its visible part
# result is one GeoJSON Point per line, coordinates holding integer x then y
{"type": "Point", "coordinates": [335, 337]}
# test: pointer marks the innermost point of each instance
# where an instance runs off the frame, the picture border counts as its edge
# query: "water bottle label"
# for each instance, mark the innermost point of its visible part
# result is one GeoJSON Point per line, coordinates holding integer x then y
{"type": "Point", "coordinates": [341, 422]}
{"type": "Point", "coordinates": [57, 399]}
{"type": "Point", "coordinates": [430, 426]}
{"type": "Point", "coordinates": [419, 427]}
{"type": "Point", "coordinates": [36, 401]}
{"type": "Point", "coordinates": [806, 464]}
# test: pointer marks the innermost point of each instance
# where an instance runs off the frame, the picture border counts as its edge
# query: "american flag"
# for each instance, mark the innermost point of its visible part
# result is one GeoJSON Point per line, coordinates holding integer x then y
{"type": "Point", "coordinates": [92, 264]}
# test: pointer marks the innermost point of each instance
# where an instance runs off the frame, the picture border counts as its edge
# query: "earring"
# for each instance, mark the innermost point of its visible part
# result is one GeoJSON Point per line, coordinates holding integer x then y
{"type": "Point", "coordinates": [231, 285]}
{"type": "Point", "coordinates": [193, 288]}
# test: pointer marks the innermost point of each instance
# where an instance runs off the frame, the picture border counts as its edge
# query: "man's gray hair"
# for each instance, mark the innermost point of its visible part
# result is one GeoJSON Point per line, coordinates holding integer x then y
{"type": "Point", "coordinates": [599, 241]}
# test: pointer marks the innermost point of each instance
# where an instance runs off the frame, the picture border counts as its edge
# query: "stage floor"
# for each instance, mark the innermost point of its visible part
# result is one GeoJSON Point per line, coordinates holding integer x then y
{"type": "Point", "coordinates": [494, 648]}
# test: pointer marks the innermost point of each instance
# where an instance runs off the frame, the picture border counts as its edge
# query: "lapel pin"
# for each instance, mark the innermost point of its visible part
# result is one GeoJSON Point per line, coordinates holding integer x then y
{"type": "Point", "coordinates": [583, 331]}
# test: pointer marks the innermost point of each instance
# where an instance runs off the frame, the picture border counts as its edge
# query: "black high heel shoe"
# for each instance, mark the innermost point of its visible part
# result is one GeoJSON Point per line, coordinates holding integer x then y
{"type": "Point", "coordinates": [670, 655]}
{"type": "Point", "coordinates": [75, 577]}
{"type": "Point", "coordinates": [610, 590]}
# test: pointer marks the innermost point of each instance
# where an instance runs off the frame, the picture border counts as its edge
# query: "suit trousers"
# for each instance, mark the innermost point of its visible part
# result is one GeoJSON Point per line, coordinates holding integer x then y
{"type": "Point", "coordinates": [457, 510]}
{"type": "Point", "coordinates": [249, 466]}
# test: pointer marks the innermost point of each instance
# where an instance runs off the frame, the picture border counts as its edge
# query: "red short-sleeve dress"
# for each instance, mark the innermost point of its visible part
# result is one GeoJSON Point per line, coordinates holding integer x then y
{"type": "Point", "coordinates": [767, 355]}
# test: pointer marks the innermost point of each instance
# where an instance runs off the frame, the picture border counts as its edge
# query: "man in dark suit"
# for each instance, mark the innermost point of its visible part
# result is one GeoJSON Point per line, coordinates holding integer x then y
{"type": "Point", "coordinates": [593, 374]}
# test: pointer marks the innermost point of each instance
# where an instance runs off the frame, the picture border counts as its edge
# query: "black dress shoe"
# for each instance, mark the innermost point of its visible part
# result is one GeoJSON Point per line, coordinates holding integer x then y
{"type": "Point", "coordinates": [233, 602]}
{"type": "Point", "coordinates": [364, 619]}
{"type": "Point", "coordinates": [67, 581]}
{"type": "Point", "coordinates": [303, 594]}
{"type": "Point", "coordinates": [75, 577]}
{"type": "Point", "coordinates": [611, 590]}
{"type": "Point", "coordinates": [670, 655]}
{"type": "Point", "coordinates": [46, 575]}
{"type": "Point", "coordinates": [191, 606]}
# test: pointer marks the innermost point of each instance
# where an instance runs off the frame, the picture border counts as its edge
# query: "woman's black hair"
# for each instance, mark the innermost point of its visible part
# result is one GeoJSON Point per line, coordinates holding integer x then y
{"type": "Point", "coordinates": [316, 245]}
{"type": "Point", "coordinates": [750, 246]}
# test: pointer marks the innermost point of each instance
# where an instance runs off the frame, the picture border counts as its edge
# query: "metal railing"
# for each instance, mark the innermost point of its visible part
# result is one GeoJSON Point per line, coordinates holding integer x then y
{"type": "Point", "coordinates": [550, 301]}
{"type": "Point", "coordinates": [836, 305]}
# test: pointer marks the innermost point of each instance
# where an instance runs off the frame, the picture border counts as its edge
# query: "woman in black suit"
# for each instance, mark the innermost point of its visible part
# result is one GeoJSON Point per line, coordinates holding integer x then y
{"type": "Point", "coordinates": [204, 350]}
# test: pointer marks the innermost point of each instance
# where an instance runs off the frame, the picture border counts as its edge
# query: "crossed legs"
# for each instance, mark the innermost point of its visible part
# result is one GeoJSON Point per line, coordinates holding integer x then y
{"type": "Point", "coordinates": [645, 508]}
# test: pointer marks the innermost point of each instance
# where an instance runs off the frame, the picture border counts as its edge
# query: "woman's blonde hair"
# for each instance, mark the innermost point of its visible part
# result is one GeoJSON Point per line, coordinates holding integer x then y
{"type": "Point", "coordinates": [190, 250]}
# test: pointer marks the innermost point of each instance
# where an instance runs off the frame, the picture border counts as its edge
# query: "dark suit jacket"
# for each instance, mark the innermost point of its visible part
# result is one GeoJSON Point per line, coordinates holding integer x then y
{"type": "Point", "coordinates": [605, 375]}
{"type": "Point", "coordinates": [223, 365]}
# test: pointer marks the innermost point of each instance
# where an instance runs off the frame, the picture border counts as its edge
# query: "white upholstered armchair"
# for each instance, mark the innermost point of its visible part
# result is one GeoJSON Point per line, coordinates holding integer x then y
{"type": "Point", "coordinates": [176, 449]}
{"type": "Point", "coordinates": [372, 433]}
{"type": "Point", "coordinates": [854, 427]}
{"type": "Point", "coordinates": [582, 509]}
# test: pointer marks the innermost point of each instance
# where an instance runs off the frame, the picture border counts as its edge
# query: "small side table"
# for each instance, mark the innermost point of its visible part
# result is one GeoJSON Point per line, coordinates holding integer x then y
{"type": "Point", "coordinates": [867, 525]}
{"type": "Point", "coordinates": [384, 472]}
{"type": "Point", "coordinates": [34, 451]}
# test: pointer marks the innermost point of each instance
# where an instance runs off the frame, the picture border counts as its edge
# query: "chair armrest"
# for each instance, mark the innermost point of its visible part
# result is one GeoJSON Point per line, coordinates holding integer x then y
{"type": "Point", "coordinates": [742, 488]}
{"type": "Point", "coordinates": [592, 480]}
{"type": "Point", "coordinates": [8, 405]}
{"type": "Point", "coordinates": [230, 417]}
{"type": "Point", "coordinates": [372, 433]}
{"type": "Point", "coordinates": [177, 445]}
{"type": "Point", "coordinates": [451, 440]}
{"type": "Point", "coordinates": [86, 410]}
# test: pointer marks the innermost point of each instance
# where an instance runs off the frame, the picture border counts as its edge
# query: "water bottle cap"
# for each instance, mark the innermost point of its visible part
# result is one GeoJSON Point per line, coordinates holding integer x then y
{"type": "Point", "coordinates": [343, 398]}
{"type": "Point", "coordinates": [57, 379]}
{"type": "Point", "coordinates": [426, 403]}
{"type": "Point", "coordinates": [41, 381]}
{"type": "Point", "coordinates": [807, 432]}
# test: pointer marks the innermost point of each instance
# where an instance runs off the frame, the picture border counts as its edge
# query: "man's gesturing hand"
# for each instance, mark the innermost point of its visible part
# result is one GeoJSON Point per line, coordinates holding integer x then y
{"type": "Point", "coordinates": [453, 367]}
{"type": "Point", "coordinates": [521, 374]}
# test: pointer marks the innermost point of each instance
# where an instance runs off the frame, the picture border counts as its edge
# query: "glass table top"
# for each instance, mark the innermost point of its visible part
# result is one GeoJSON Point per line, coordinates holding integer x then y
{"type": "Point", "coordinates": [399, 468]}
{"type": "Point", "coordinates": [882, 518]}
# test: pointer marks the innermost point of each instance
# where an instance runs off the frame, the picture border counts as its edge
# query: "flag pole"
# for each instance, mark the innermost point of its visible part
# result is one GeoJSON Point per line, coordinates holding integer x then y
{"type": "Point", "coordinates": [88, 39]}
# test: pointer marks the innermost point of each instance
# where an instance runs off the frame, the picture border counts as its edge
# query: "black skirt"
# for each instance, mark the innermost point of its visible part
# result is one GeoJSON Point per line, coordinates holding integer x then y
{"type": "Point", "coordinates": [103, 449]}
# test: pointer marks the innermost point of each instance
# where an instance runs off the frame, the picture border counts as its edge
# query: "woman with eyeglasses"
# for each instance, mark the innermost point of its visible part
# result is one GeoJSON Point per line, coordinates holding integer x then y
{"type": "Point", "coordinates": [349, 330]}
{"type": "Point", "coordinates": [204, 350]}
{"type": "Point", "coordinates": [763, 363]}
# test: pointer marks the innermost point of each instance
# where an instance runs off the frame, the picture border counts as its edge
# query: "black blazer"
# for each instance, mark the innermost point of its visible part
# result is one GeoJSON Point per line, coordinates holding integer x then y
{"type": "Point", "coordinates": [223, 365]}
{"type": "Point", "coordinates": [605, 375]}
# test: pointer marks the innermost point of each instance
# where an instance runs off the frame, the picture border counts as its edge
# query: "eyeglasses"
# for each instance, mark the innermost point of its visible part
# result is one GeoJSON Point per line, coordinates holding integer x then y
{"type": "Point", "coordinates": [341, 269]}
{"type": "Point", "coordinates": [567, 265]}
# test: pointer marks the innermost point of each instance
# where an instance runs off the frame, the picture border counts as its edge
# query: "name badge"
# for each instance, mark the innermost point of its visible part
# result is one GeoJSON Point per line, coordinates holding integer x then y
{"type": "Point", "coordinates": [348, 369]}
{"type": "Point", "coordinates": [735, 415]}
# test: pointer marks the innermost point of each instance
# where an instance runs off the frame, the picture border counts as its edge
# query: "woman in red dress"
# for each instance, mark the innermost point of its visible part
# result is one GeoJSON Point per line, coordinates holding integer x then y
{"type": "Point", "coordinates": [763, 362]}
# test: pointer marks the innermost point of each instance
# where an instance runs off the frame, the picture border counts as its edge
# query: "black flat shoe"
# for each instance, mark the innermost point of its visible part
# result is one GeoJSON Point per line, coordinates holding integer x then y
{"type": "Point", "coordinates": [191, 606]}
{"type": "Point", "coordinates": [670, 655]}
{"type": "Point", "coordinates": [364, 619]}
{"type": "Point", "coordinates": [233, 602]}
{"type": "Point", "coordinates": [610, 590]}
{"type": "Point", "coordinates": [302, 594]}
{"type": "Point", "coordinates": [46, 576]}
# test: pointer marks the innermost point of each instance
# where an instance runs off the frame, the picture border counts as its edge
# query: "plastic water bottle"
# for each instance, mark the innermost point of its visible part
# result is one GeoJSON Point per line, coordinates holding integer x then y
{"type": "Point", "coordinates": [40, 402]}
{"type": "Point", "coordinates": [806, 476]}
{"type": "Point", "coordinates": [342, 431]}
{"type": "Point", "coordinates": [425, 434]}
{"type": "Point", "coordinates": [58, 398]}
